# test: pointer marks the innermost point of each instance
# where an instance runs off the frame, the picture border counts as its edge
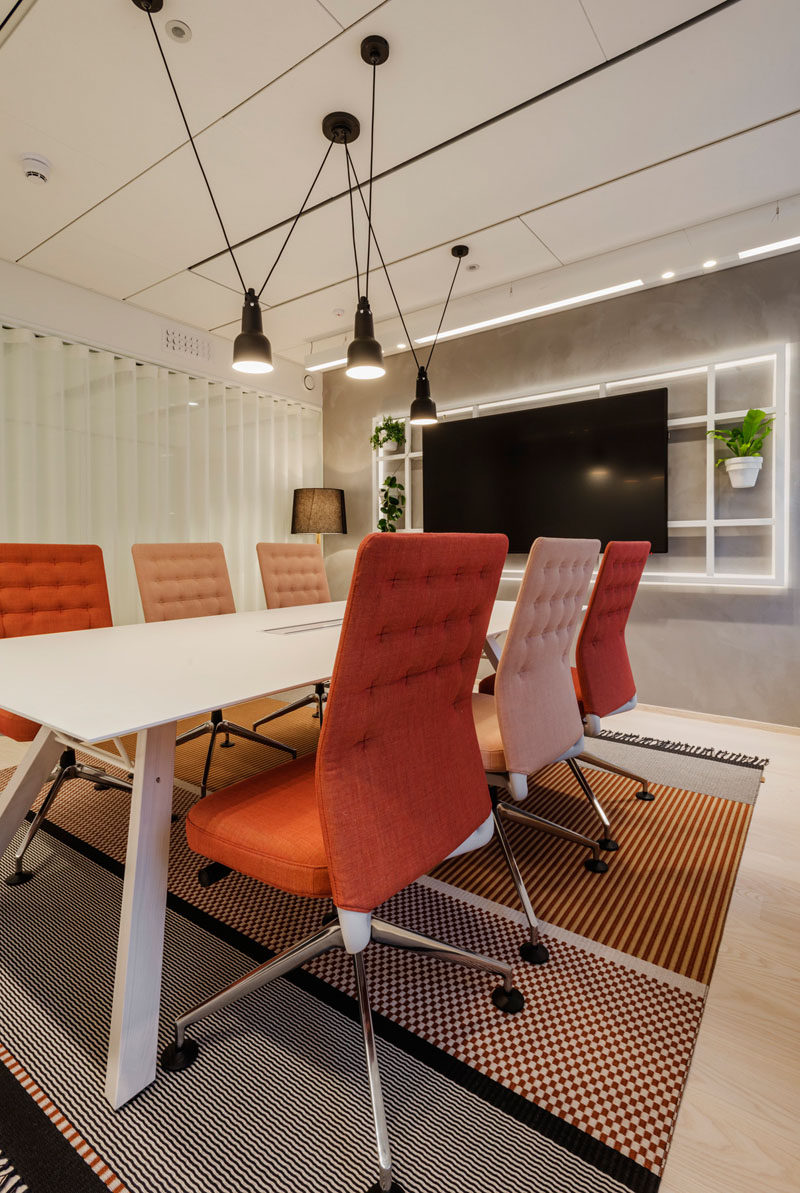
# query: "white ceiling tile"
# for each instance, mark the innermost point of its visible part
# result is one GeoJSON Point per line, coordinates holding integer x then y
{"type": "Point", "coordinates": [191, 299]}
{"type": "Point", "coordinates": [347, 12]}
{"type": "Point", "coordinates": [621, 24]}
{"type": "Point", "coordinates": [745, 170]}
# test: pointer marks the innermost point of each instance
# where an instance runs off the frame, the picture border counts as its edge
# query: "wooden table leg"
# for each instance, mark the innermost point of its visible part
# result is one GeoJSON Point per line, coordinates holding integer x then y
{"type": "Point", "coordinates": [26, 783]}
{"type": "Point", "coordinates": [137, 985]}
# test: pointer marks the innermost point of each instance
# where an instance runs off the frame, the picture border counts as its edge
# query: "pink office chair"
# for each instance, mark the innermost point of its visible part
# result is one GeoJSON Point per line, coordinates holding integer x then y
{"type": "Point", "coordinates": [294, 574]}
{"type": "Point", "coordinates": [400, 705]}
{"type": "Point", "coordinates": [179, 580]}
{"type": "Point", "coordinates": [530, 719]}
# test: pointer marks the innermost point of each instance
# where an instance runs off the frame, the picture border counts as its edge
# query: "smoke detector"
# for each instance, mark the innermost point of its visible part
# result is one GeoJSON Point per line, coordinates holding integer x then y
{"type": "Point", "coordinates": [37, 168]}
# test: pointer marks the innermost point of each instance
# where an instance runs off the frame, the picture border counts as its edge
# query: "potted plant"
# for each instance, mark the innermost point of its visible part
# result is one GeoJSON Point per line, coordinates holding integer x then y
{"type": "Point", "coordinates": [393, 501]}
{"type": "Point", "coordinates": [389, 435]}
{"type": "Point", "coordinates": [745, 442]}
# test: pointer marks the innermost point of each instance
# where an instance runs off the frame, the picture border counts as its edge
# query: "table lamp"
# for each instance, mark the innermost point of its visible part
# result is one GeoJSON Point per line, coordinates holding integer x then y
{"type": "Point", "coordinates": [319, 511]}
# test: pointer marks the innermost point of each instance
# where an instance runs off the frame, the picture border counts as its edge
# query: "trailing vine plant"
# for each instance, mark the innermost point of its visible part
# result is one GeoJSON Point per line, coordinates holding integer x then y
{"type": "Point", "coordinates": [393, 502]}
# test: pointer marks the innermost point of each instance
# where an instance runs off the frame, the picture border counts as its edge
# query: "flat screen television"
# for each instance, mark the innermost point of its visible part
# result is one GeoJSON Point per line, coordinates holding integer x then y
{"type": "Point", "coordinates": [588, 469]}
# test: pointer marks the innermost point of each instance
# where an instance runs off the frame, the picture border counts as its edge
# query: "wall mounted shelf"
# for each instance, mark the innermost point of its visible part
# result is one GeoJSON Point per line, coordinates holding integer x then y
{"type": "Point", "coordinates": [737, 538]}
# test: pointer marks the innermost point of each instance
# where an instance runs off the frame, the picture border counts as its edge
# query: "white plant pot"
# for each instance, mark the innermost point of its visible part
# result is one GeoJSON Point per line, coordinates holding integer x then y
{"type": "Point", "coordinates": [389, 447]}
{"type": "Point", "coordinates": [743, 470]}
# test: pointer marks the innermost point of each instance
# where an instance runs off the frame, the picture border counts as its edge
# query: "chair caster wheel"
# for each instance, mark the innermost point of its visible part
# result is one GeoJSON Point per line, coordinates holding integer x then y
{"type": "Point", "coordinates": [227, 745]}
{"type": "Point", "coordinates": [596, 865]}
{"type": "Point", "coordinates": [393, 1188]}
{"type": "Point", "coordinates": [175, 1059]}
{"type": "Point", "coordinates": [509, 1001]}
{"type": "Point", "coordinates": [608, 845]}
{"type": "Point", "coordinates": [18, 877]}
{"type": "Point", "coordinates": [175, 817]}
{"type": "Point", "coordinates": [534, 954]}
{"type": "Point", "coordinates": [645, 795]}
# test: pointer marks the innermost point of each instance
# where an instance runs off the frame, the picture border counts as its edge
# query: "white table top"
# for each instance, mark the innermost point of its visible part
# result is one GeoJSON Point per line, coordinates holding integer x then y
{"type": "Point", "coordinates": [98, 684]}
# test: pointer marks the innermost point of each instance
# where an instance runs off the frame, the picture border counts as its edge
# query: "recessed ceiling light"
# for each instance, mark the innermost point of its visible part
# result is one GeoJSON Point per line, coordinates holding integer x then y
{"type": "Point", "coordinates": [402, 345]}
{"type": "Point", "coordinates": [709, 264]}
{"type": "Point", "coordinates": [548, 306]}
{"type": "Point", "coordinates": [178, 31]}
{"type": "Point", "coordinates": [194, 403]}
{"type": "Point", "coordinates": [329, 364]}
{"type": "Point", "coordinates": [770, 248]}
{"type": "Point", "coordinates": [669, 274]}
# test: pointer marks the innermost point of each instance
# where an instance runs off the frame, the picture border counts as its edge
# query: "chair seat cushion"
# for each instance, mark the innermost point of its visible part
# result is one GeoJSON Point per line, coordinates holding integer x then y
{"type": "Point", "coordinates": [267, 826]}
{"type": "Point", "coordinates": [487, 727]}
{"type": "Point", "coordinates": [579, 694]}
{"type": "Point", "coordinates": [19, 728]}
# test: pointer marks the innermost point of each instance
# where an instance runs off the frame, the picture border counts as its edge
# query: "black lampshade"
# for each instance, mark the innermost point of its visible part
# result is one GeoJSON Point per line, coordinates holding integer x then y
{"type": "Point", "coordinates": [252, 352]}
{"type": "Point", "coordinates": [364, 353]}
{"type": "Point", "coordinates": [423, 408]}
{"type": "Point", "coordinates": [319, 511]}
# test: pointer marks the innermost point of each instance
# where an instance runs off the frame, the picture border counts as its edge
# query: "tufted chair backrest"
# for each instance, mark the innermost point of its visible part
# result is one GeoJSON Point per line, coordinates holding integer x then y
{"type": "Point", "coordinates": [44, 589]}
{"type": "Point", "coordinates": [536, 706]}
{"type": "Point", "coordinates": [182, 580]}
{"type": "Point", "coordinates": [601, 656]}
{"type": "Point", "coordinates": [292, 574]}
{"type": "Point", "coordinates": [400, 783]}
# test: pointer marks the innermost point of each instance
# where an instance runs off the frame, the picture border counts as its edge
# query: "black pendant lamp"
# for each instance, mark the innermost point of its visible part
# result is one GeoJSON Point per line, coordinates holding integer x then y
{"type": "Point", "coordinates": [252, 352]}
{"type": "Point", "coordinates": [364, 353]}
{"type": "Point", "coordinates": [423, 408]}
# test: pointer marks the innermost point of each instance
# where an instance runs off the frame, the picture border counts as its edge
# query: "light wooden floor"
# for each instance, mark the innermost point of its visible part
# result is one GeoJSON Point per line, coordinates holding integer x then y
{"type": "Point", "coordinates": [738, 1128]}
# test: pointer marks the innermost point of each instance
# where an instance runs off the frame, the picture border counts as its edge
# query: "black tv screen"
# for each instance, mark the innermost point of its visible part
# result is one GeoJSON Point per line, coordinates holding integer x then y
{"type": "Point", "coordinates": [589, 469]}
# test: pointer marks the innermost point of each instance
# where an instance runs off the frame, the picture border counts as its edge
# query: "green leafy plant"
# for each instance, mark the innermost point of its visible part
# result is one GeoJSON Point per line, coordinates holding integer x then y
{"type": "Point", "coordinates": [393, 502]}
{"type": "Point", "coordinates": [389, 429]}
{"type": "Point", "coordinates": [748, 439]}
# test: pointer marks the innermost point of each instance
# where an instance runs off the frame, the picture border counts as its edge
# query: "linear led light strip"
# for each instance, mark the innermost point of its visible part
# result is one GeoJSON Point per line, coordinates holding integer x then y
{"type": "Point", "coordinates": [548, 306]}
{"type": "Point", "coordinates": [328, 364]}
{"type": "Point", "coordinates": [769, 248]}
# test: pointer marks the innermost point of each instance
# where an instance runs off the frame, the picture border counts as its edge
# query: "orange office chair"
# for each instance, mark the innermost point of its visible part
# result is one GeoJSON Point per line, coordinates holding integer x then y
{"type": "Point", "coordinates": [530, 718]}
{"type": "Point", "coordinates": [191, 580]}
{"type": "Point", "coordinates": [604, 683]}
{"type": "Point", "coordinates": [47, 589]}
{"type": "Point", "coordinates": [294, 574]}
{"type": "Point", "coordinates": [400, 704]}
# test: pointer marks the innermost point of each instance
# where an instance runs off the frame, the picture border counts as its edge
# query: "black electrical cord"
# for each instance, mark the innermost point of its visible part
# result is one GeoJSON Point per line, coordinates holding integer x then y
{"type": "Point", "coordinates": [296, 218]}
{"type": "Point", "coordinates": [348, 164]}
{"type": "Point", "coordinates": [371, 160]}
{"type": "Point", "coordinates": [371, 234]}
{"type": "Point", "coordinates": [444, 312]}
{"type": "Point", "coordinates": [194, 147]}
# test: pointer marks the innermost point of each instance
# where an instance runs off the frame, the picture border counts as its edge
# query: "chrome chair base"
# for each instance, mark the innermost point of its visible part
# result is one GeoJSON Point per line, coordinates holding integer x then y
{"type": "Point", "coordinates": [533, 951]}
{"type": "Point", "coordinates": [215, 725]}
{"type": "Point", "coordinates": [68, 768]}
{"type": "Point", "coordinates": [606, 842]}
{"type": "Point", "coordinates": [183, 1051]}
{"type": "Point", "coordinates": [595, 863]}
{"type": "Point", "coordinates": [320, 695]}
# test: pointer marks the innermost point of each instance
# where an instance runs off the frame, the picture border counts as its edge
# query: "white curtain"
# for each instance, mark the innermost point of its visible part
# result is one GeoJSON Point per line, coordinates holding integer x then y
{"type": "Point", "coordinates": [98, 448]}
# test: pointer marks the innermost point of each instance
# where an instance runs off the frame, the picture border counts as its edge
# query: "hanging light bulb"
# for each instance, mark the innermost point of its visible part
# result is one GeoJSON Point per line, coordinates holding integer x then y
{"type": "Point", "coordinates": [423, 408]}
{"type": "Point", "coordinates": [252, 352]}
{"type": "Point", "coordinates": [364, 353]}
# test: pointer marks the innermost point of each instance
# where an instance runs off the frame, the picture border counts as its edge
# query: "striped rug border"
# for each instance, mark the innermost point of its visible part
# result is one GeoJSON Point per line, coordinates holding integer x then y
{"type": "Point", "coordinates": [607, 1160]}
{"type": "Point", "coordinates": [70, 1133]}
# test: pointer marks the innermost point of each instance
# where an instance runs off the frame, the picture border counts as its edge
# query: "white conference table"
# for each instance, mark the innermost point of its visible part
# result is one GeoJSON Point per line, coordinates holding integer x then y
{"type": "Point", "coordinates": [90, 686]}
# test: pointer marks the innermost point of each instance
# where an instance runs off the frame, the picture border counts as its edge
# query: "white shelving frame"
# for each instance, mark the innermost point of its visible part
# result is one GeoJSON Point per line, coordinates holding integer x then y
{"type": "Point", "coordinates": [713, 576]}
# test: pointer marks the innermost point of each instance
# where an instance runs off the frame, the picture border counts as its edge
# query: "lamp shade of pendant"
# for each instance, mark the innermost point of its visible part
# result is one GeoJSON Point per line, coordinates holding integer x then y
{"type": "Point", "coordinates": [252, 352]}
{"type": "Point", "coordinates": [423, 408]}
{"type": "Point", "coordinates": [364, 353]}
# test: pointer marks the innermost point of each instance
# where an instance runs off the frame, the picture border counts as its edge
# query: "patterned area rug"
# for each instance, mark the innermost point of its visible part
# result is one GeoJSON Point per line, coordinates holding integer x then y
{"type": "Point", "coordinates": [579, 1092]}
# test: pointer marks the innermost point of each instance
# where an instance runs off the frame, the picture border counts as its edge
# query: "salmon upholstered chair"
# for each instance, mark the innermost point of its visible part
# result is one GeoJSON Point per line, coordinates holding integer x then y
{"type": "Point", "coordinates": [294, 574]}
{"type": "Point", "coordinates": [531, 719]}
{"type": "Point", "coordinates": [604, 683]}
{"type": "Point", "coordinates": [49, 589]}
{"type": "Point", "coordinates": [399, 706]}
{"type": "Point", "coordinates": [179, 580]}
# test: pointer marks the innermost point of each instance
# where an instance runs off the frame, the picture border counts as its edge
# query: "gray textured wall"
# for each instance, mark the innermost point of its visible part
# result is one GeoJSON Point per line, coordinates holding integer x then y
{"type": "Point", "coordinates": [735, 654]}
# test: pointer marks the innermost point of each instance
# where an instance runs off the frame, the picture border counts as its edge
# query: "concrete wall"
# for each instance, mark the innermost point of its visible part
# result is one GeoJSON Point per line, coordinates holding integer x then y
{"type": "Point", "coordinates": [736, 654]}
